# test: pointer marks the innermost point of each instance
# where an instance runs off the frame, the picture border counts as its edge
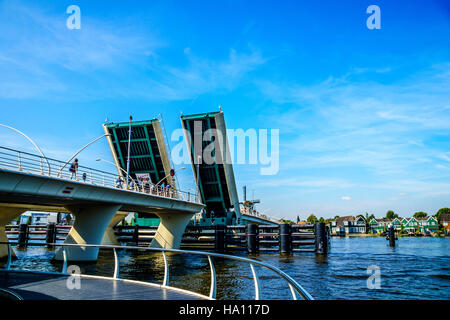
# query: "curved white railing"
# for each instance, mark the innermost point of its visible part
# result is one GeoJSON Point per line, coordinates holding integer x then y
{"type": "Point", "coordinates": [295, 288]}
{"type": "Point", "coordinates": [15, 160]}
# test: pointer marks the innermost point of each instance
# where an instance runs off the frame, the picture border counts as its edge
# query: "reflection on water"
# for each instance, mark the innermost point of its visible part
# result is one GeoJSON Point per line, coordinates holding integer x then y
{"type": "Point", "coordinates": [418, 268]}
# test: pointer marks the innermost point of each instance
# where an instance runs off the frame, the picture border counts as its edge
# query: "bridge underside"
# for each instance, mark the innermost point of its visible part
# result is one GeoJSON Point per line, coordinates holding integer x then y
{"type": "Point", "coordinates": [96, 209]}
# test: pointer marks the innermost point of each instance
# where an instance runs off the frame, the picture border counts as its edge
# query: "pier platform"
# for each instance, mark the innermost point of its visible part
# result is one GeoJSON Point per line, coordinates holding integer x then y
{"type": "Point", "coordinates": [47, 286]}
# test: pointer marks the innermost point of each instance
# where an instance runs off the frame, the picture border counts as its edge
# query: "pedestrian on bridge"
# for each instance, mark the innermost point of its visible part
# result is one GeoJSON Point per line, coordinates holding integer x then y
{"type": "Point", "coordinates": [119, 183]}
{"type": "Point", "coordinates": [73, 169]}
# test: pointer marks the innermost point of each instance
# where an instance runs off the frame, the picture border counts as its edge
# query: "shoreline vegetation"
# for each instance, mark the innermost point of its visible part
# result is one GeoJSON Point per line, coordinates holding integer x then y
{"type": "Point", "coordinates": [370, 235]}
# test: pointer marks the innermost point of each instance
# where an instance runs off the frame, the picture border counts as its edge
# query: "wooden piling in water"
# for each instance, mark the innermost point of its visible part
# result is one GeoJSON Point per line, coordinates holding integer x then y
{"type": "Point", "coordinates": [220, 238]}
{"type": "Point", "coordinates": [252, 238]}
{"type": "Point", "coordinates": [285, 238]}
{"type": "Point", "coordinates": [23, 235]}
{"type": "Point", "coordinates": [321, 235]}
{"type": "Point", "coordinates": [50, 235]}
{"type": "Point", "coordinates": [391, 236]}
{"type": "Point", "coordinates": [136, 234]}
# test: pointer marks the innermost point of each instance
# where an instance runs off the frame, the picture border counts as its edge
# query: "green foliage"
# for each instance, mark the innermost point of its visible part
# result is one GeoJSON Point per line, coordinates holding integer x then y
{"type": "Point", "coordinates": [420, 214]}
{"type": "Point", "coordinates": [321, 220]}
{"type": "Point", "coordinates": [312, 219]}
{"type": "Point", "coordinates": [298, 218]}
{"type": "Point", "coordinates": [391, 215]}
{"type": "Point", "coordinates": [286, 221]}
{"type": "Point", "coordinates": [441, 212]}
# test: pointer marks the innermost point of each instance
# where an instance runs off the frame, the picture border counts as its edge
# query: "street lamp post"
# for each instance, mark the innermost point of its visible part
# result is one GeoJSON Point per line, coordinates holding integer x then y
{"type": "Point", "coordinates": [129, 145]}
{"type": "Point", "coordinates": [34, 144]}
{"type": "Point", "coordinates": [198, 175]}
{"type": "Point", "coordinates": [76, 153]}
{"type": "Point", "coordinates": [168, 175]}
{"type": "Point", "coordinates": [98, 159]}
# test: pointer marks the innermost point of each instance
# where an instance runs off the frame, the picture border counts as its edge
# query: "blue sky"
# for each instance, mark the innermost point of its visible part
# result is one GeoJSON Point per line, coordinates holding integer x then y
{"type": "Point", "coordinates": [364, 115]}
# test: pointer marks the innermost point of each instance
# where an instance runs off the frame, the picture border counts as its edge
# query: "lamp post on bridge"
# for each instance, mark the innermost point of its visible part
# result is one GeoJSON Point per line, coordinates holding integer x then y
{"type": "Point", "coordinates": [129, 147]}
{"type": "Point", "coordinates": [130, 177]}
{"type": "Point", "coordinates": [169, 175]}
{"type": "Point", "coordinates": [34, 144]}
{"type": "Point", "coordinates": [76, 153]}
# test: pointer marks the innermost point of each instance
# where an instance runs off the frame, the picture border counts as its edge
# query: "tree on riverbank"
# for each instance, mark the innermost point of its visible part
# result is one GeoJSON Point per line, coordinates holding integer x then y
{"type": "Point", "coordinates": [391, 215]}
{"type": "Point", "coordinates": [420, 214]}
{"type": "Point", "coordinates": [312, 219]}
{"type": "Point", "coordinates": [441, 212]}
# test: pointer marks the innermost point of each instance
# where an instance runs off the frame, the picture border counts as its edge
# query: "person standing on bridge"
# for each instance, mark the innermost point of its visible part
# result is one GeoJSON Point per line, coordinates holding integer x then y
{"type": "Point", "coordinates": [119, 183]}
{"type": "Point", "coordinates": [73, 169]}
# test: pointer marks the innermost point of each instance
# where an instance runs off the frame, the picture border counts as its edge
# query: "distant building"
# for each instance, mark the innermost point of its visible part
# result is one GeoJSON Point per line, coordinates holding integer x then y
{"type": "Point", "coordinates": [412, 225]}
{"type": "Point", "coordinates": [348, 225]}
{"type": "Point", "coordinates": [397, 223]}
{"type": "Point", "coordinates": [379, 225]}
{"type": "Point", "coordinates": [428, 224]}
{"type": "Point", "coordinates": [37, 218]}
{"type": "Point", "coordinates": [445, 222]}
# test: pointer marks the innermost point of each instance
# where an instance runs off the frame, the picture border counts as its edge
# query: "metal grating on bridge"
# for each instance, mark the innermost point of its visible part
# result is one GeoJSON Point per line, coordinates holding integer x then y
{"type": "Point", "coordinates": [148, 153]}
{"type": "Point", "coordinates": [216, 182]}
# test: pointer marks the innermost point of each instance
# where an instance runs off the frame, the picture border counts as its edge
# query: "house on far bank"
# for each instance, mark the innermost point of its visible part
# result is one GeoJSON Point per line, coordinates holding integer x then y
{"type": "Point", "coordinates": [411, 225]}
{"type": "Point", "coordinates": [36, 218]}
{"type": "Point", "coordinates": [445, 222]}
{"type": "Point", "coordinates": [428, 224]}
{"type": "Point", "coordinates": [397, 223]}
{"type": "Point", "coordinates": [348, 225]}
{"type": "Point", "coordinates": [379, 225]}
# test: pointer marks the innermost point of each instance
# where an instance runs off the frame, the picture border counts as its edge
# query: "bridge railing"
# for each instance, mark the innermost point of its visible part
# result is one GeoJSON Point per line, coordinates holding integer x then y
{"type": "Point", "coordinates": [15, 160]}
{"type": "Point", "coordinates": [296, 289]}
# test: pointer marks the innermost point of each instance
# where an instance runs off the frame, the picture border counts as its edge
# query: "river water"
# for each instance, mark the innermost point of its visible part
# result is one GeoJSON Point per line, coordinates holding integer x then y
{"type": "Point", "coordinates": [417, 268]}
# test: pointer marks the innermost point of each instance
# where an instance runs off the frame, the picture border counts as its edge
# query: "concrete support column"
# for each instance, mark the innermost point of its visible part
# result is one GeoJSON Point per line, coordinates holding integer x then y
{"type": "Point", "coordinates": [109, 237]}
{"type": "Point", "coordinates": [6, 216]}
{"type": "Point", "coordinates": [170, 230]}
{"type": "Point", "coordinates": [90, 225]}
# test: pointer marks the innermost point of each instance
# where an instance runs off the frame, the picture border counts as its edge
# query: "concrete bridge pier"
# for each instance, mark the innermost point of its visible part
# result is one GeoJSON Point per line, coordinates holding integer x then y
{"type": "Point", "coordinates": [109, 238]}
{"type": "Point", "coordinates": [170, 230]}
{"type": "Point", "coordinates": [7, 214]}
{"type": "Point", "coordinates": [90, 225]}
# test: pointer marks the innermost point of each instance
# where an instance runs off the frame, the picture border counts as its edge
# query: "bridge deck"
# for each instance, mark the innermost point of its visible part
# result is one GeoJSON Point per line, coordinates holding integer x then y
{"type": "Point", "coordinates": [43, 286]}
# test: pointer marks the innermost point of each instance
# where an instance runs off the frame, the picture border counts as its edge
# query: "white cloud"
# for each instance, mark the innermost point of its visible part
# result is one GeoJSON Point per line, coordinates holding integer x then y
{"type": "Point", "coordinates": [41, 58]}
{"type": "Point", "coordinates": [346, 198]}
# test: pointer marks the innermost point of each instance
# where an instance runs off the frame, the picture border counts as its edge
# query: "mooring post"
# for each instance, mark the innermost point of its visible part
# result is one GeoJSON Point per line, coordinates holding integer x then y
{"type": "Point", "coordinates": [23, 235]}
{"type": "Point", "coordinates": [285, 238]}
{"type": "Point", "coordinates": [50, 236]}
{"type": "Point", "coordinates": [252, 238]}
{"type": "Point", "coordinates": [220, 238]}
{"type": "Point", "coordinates": [391, 236]}
{"type": "Point", "coordinates": [320, 232]}
{"type": "Point", "coordinates": [136, 234]}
